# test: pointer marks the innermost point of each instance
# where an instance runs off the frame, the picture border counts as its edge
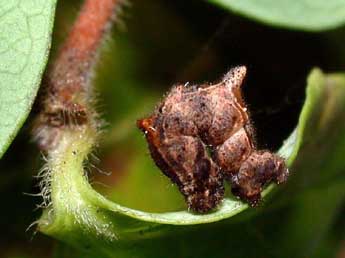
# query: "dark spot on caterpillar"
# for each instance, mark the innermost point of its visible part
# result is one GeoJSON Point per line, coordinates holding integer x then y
{"type": "Point", "coordinates": [200, 135]}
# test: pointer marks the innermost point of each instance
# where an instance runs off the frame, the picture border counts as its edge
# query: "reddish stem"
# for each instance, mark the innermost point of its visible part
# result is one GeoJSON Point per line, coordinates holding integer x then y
{"type": "Point", "coordinates": [67, 101]}
{"type": "Point", "coordinates": [71, 71]}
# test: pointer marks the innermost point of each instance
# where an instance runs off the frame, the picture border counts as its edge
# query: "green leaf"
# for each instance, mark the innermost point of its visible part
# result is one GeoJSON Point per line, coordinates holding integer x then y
{"type": "Point", "coordinates": [80, 216]}
{"type": "Point", "coordinates": [25, 36]}
{"type": "Point", "coordinates": [311, 15]}
{"type": "Point", "coordinates": [322, 133]}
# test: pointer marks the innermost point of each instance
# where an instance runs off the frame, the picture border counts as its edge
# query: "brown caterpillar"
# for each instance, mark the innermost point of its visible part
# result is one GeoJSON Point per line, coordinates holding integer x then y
{"type": "Point", "coordinates": [201, 135]}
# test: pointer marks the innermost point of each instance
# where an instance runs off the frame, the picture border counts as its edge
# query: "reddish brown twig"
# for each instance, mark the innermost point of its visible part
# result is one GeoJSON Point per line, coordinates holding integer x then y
{"type": "Point", "coordinates": [67, 99]}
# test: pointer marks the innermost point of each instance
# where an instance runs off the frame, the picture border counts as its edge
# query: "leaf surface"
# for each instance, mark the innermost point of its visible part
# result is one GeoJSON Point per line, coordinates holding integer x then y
{"type": "Point", "coordinates": [25, 36]}
{"type": "Point", "coordinates": [312, 15]}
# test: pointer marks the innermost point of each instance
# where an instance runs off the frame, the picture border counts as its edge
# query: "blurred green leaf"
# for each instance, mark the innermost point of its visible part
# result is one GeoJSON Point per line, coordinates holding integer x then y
{"type": "Point", "coordinates": [88, 221]}
{"type": "Point", "coordinates": [25, 35]}
{"type": "Point", "coordinates": [323, 138]}
{"type": "Point", "coordinates": [311, 15]}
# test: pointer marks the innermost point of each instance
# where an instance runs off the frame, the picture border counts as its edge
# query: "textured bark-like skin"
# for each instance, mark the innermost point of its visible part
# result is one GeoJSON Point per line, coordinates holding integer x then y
{"type": "Point", "coordinates": [67, 98]}
{"type": "Point", "coordinates": [193, 119]}
{"type": "Point", "coordinates": [260, 168]}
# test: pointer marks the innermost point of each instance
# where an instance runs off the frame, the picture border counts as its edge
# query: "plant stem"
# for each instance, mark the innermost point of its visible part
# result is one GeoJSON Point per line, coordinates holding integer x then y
{"type": "Point", "coordinates": [67, 102]}
{"type": "Point", "coordinates": [73, 68]}
{"type": "Point", "coordinates": [66, 128]}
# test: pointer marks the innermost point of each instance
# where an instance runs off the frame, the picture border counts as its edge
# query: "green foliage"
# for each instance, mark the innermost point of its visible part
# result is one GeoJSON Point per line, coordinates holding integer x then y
{"type": "Point", "coordinates": [85, 219]}
{"type": "Point", "coordinates": [25, 35]}
{"type": "Point", "coordinates": [312, 15]}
